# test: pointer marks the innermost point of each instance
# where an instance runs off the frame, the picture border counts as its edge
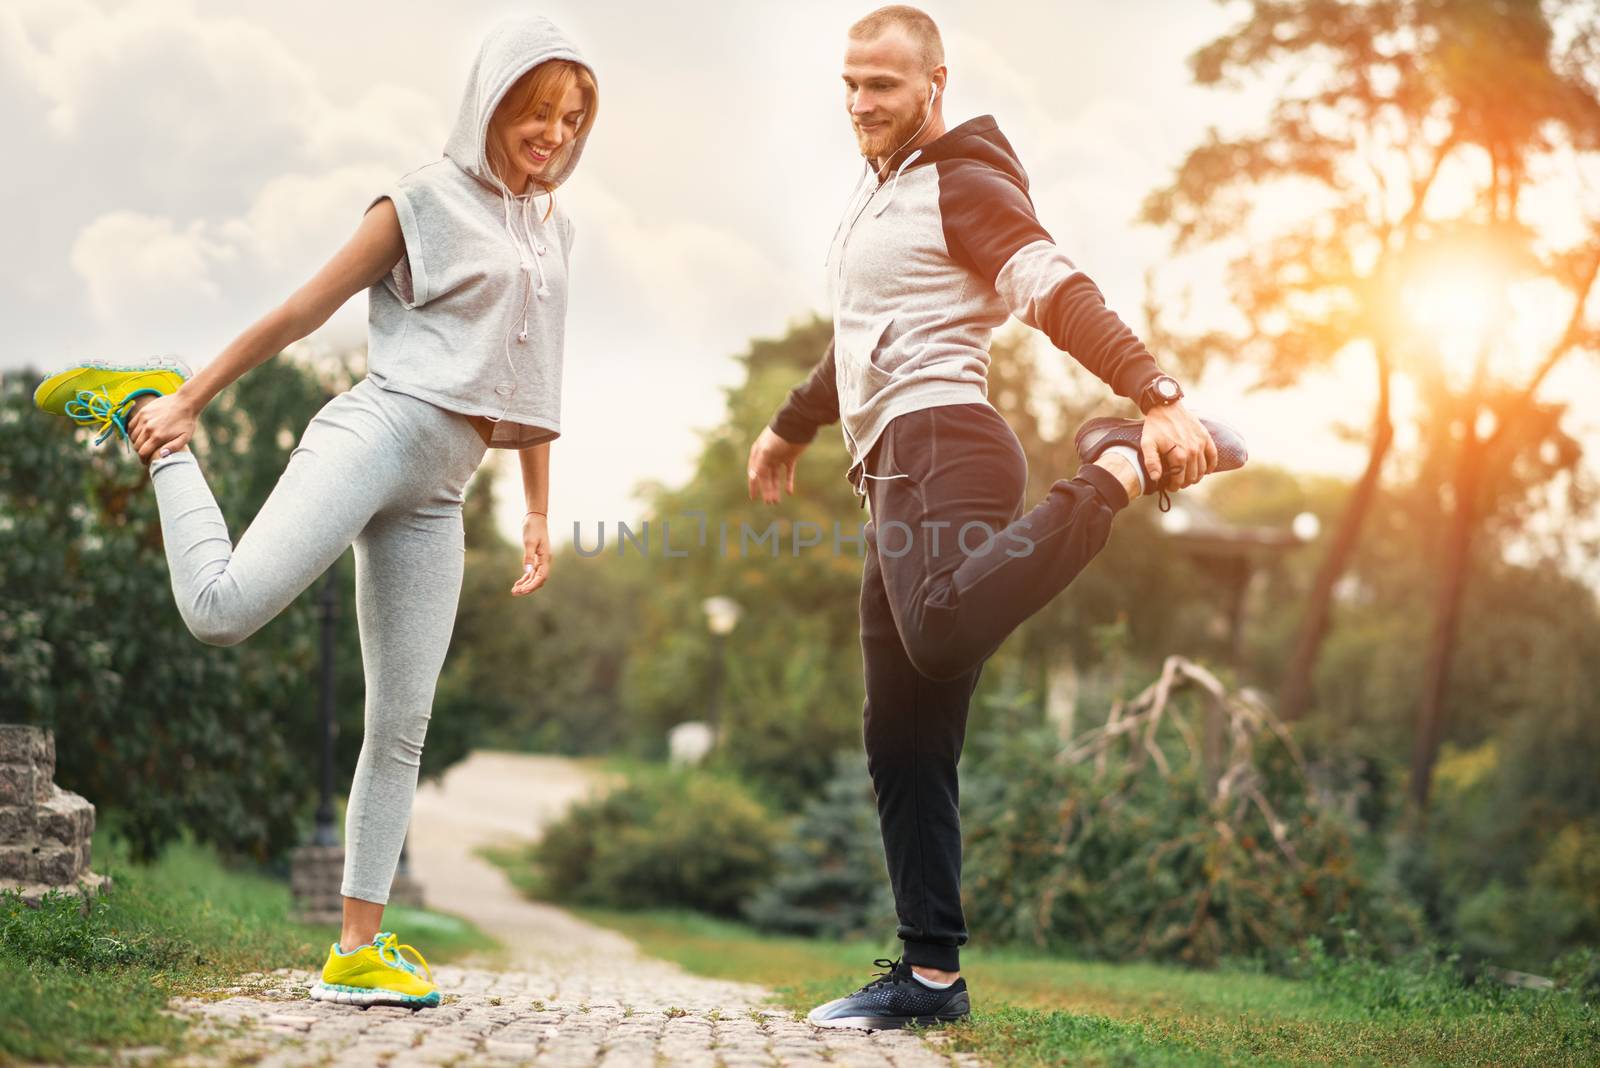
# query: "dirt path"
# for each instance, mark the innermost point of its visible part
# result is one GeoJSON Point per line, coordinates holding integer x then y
{"type": "Point", "coordinates": [571, 995]}
{"type": "Point", "coordinates": [499, 799]}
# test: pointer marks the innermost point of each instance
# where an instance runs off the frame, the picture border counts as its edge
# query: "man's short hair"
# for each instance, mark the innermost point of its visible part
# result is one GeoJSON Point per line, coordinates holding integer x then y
{"type": "Point", "coordinates": [923, 31]}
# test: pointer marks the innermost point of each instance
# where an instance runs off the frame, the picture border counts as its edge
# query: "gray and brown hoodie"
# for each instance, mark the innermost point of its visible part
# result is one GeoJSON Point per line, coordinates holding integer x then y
{"type": "Point", "coordinates": [924, 266]}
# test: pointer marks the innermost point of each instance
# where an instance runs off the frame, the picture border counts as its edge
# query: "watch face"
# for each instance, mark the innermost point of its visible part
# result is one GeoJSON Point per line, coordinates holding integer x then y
{"type": "Point", "coordinates": [1167, 388]}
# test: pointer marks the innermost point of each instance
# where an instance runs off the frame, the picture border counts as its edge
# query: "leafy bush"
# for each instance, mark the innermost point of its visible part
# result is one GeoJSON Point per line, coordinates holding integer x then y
{"type": "Point", "coordinates": [171, 733]}
{"type": "Point", "coordinates": [1509, 861]}
{"type": "Point", "coordinates": [166, 734]}
{"type": "Point", "coordinates": [1579, 972]}
{"type": "Point", "coordinates": [666, 839]}
{"type": "Point", "coordinates": [831, 881]}
{"type": "Point", "coordinates": [1131, 847]}
{"type": "Point", "coordinates": [1423, 980]}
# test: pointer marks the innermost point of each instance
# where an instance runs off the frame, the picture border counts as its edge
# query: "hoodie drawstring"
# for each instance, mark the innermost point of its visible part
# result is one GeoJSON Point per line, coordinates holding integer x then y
{"type": "Point", "coordinates": [896, 184]}
{"type": "Point", "coordinates": [529, 256]}
{"type": "Point", "coordinates": [860, 485]}
{"type": "Point", "coordinates": [855, 195]}
{"type": "Point", "coordinates": [538, 249]}
{"type": "Point", "coordinates": [530, 253]}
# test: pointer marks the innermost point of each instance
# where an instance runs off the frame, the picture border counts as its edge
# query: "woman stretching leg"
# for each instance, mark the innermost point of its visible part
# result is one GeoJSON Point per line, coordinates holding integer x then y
{"type": "Point", "coordinates": [466, 275]}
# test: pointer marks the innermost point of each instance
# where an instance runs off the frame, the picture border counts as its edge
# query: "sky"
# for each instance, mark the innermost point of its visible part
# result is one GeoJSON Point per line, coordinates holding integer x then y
{"type": "Point", "coordinates": [179, 168]}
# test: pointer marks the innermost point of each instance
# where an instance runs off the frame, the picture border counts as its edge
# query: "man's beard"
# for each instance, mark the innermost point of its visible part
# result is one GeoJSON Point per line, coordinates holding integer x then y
{"type": "Point", "coordinates": [887, 140]}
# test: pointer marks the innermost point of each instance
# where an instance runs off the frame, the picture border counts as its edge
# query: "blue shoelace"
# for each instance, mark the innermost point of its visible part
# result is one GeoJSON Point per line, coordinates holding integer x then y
{"type": "Point", "coordinates": [95, 410]}
{"type": "Point", "coordinates": [390, 952]}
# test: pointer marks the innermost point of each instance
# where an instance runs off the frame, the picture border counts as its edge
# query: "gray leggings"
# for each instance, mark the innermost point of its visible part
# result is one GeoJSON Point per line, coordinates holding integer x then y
{"type": "Point", "coordinates": [386, 472]}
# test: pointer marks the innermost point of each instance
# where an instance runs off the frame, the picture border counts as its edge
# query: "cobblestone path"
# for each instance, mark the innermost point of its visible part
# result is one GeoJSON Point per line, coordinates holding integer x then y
{"type": "Point", "coordinates": [570, 995]}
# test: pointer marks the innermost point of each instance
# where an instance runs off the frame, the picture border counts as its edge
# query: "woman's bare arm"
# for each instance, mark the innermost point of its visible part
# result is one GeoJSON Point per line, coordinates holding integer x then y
{"type": "Point", "coordinates": [536, 477]}
{"type": "Point", "coordinates": [371, 253]}
{"type": "Point", "coordinates": [536, 524]}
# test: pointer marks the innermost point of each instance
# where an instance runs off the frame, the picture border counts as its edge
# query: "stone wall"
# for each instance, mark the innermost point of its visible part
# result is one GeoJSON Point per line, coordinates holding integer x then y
{"type": "Point", "coordinates": [44, 830]}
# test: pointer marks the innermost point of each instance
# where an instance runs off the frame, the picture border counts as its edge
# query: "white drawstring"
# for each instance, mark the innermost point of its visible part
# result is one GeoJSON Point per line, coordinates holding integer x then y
{"type": "Point", "coordinates": [538, 249]}
{"type": "Point", "coordinates": [529, 253]}
{"type": "Point", "coordinates": [896, 184]}
{"type": "Point", "coordinates": [855, 195]}
{"type": "Point", "coordinates": [923, 125]}
{"type": "Point", "coordinates": [861, 485]}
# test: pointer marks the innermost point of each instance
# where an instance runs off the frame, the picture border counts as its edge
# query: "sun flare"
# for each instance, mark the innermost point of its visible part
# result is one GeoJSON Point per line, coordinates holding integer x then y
{"type": "Point", "coordinates": [1457, 305]}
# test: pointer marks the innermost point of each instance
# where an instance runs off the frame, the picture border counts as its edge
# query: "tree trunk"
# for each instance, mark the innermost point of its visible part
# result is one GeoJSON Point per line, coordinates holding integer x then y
{"type": "Point", "coordinates": [1296, 689]}
{"type": "Point", "coordinates": [1446, 620]}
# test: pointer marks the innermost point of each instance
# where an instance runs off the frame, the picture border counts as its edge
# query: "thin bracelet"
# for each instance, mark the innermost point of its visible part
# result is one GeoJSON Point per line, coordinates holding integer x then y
{"type": "Point", "coordinates": [532, 512]}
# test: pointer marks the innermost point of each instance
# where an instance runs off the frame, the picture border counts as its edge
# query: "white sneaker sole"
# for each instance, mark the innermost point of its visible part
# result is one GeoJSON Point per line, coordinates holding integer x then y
{"type": "Point", "coordinates": [152, 363]}
{"type": "Point", "coordinates": [883, 1023]}
{"type": "Point", "coordinates": [348, 995]}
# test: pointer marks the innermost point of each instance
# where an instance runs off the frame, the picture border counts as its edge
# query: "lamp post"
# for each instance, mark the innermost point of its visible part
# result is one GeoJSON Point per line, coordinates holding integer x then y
{"type": "Point", "coordinates": [316, 868]}
{"type": "Point", "coordinates": [324, 836]}
{"type": "Point", "coordinates": [722, 615]}
{"type": "Point", "coordinates": [1231, 554]}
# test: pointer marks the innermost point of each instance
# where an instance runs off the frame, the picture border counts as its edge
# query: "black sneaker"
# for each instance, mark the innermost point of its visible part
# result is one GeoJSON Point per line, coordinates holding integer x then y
{"type": "Point", "coordinates": [1097, 435]}
{"type": "Point", "coordinates": [894, 999]}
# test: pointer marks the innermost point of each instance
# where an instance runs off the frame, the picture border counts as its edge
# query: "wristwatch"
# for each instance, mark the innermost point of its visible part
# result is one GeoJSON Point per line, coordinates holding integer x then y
{"type": "Point", "coordinates": [1164, 390]}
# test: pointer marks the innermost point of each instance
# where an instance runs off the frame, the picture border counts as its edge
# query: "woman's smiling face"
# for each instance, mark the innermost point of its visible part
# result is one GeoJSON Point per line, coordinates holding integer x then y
{"type": "Point", "coordinates": [529, 142]}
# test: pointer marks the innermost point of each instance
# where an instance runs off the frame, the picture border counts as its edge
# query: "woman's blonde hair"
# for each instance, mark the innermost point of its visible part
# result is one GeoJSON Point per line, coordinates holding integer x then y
{"type": "Point", "coordinates": [546, 85]}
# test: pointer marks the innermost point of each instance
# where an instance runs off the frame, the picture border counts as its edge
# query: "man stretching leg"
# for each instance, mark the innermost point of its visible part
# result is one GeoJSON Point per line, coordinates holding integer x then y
{"type": "Point", "coordinates": [938, 245]}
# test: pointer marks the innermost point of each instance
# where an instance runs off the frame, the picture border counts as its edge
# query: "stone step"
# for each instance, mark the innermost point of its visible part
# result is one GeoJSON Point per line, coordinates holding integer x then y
{"type": "Point", "coordinates": [45, 831]}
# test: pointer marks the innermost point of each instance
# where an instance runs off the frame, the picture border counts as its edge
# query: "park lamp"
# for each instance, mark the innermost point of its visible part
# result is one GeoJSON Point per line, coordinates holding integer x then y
{"type": "Point", "coordinates": [722, 615]}
{"type": "Point", "coordinates": [1306, 526]}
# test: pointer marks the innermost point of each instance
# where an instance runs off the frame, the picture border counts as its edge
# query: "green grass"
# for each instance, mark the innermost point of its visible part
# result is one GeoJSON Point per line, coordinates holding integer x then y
{"type": "Point", "coordinates": [76, 988]}
{"type": "Point", "coordinates": [1037, 1010]}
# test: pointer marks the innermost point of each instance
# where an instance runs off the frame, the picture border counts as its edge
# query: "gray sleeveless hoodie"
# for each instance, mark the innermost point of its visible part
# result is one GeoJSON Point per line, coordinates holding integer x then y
{"type": "Point", "coordinates": [473, 317]}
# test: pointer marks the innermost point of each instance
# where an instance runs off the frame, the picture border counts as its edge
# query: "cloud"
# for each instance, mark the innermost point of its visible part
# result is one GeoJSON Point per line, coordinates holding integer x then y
{"type": "Point", "coordinates": [388, 122]}
{"type": "Point", "coordinates": [187, 165]}
{"type": "Point", "coordinates": [163, 102]}
{"type": "Point", "coordinates": [178, 104]}
{"type": "Point", "coordinates": [296, 221]}
{"type": "Point", "coordinates": [687, 282]}
{"type": "Point", "coordinates": [138, 266]}
{"type": "Point", "coordinates": [144, 273]}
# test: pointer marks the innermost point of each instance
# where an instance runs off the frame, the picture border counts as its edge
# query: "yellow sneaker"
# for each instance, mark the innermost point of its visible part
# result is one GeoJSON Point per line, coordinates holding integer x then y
{"type": "Point", "coordinates": [98, 393]}
{"type": "Point", "coordinates": [376, 974]}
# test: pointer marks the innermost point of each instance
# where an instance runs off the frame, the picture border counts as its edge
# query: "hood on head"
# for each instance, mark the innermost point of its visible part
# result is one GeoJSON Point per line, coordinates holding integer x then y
{"type": "Point", "coordinates": [510, 50]}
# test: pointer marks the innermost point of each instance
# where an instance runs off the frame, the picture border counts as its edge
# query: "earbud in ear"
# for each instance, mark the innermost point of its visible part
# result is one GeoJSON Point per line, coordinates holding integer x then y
{"type": "Point", "coordinates": [934, 95]}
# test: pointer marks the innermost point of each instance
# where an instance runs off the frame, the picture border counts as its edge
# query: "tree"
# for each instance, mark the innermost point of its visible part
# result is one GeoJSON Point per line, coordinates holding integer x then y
{"type": "Point", "coordinates": [792, 689]}
{"type": "Point", "coordinates": [1382, 103]}
{"type": "Point", "coordinates": [540, 672]}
